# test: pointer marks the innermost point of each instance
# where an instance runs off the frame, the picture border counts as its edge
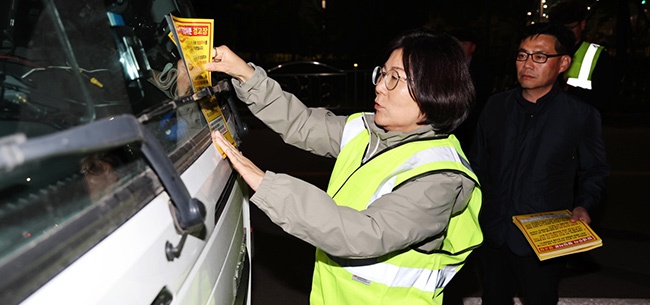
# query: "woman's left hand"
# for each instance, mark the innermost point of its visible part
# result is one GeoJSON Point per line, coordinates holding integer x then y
{"type": "Point", "coordinates": [252, 174]}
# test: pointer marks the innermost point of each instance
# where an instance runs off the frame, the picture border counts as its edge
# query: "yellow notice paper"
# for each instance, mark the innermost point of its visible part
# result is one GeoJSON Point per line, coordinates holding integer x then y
{"type": "Point", "coordinates": [552, 234]}
{"type": "Point", "coordinates": [194, 39]}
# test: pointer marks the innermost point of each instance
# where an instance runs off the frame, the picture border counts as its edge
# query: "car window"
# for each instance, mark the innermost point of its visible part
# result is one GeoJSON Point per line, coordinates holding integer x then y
{"type": "Point", "coordinates": [69, 63]}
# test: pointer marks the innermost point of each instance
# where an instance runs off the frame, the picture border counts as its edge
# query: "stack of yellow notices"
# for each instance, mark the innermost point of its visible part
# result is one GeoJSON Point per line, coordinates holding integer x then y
{"type": "Point", "coordinates": [552, 234]}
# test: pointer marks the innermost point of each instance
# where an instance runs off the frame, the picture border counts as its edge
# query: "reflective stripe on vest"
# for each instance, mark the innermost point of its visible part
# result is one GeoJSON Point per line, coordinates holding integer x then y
{"type": "Point", "coordinates": [433, 154]}
{"type": "Point", "coordinates": [396, 276]}
{"type": "Point", "coordinates": [352, 128]}
{"type": "Point", "coordinates": [423, 279]}
{"type": "Point", "coordinates": [583, 64]}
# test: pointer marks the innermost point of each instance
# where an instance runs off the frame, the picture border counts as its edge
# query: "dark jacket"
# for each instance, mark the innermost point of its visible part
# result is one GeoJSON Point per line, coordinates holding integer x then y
{"type": "Point", "coordinates": [536, 157]}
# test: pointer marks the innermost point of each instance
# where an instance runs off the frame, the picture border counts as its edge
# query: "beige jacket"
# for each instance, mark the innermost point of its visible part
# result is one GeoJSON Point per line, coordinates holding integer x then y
{"type": "Point", "coordinates": [415, 215]}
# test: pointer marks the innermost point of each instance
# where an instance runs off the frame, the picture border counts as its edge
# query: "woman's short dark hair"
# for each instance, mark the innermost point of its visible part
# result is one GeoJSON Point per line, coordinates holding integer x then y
{"type": "Point", "coordinates": [438, 77]}
{"type": "Point", "coordinates": [564, 38]}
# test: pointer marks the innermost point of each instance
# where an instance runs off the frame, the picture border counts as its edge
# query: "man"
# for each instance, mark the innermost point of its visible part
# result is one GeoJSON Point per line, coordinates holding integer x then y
{"type": "Point", "coordinates": [536, 149]}
{"type": "Point", "coordinates": [592, 76]}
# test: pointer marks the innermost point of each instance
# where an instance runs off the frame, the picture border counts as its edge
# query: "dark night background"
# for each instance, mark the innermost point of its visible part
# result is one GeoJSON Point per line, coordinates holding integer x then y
{"type": "Point", "coordinates": [353, 32]}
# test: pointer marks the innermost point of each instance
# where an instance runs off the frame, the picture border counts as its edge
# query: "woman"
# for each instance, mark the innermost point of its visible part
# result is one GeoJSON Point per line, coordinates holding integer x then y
{"type": "Point", "coordinates": [399, 215]}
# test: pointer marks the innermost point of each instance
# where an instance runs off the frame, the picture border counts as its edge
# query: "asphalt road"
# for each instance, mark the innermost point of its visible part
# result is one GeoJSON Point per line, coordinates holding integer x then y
{"type": "Point", "coordinates": [619, 271]}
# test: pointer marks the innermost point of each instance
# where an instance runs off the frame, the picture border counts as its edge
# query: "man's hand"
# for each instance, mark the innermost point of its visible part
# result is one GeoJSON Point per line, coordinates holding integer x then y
{"type": "Point", "coordinates": [252, 174]}
{"type": "Point", "coordinates": [580, 213]}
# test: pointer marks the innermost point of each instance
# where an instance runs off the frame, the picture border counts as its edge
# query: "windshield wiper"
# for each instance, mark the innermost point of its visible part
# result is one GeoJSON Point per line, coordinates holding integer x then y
{"type": "Point", "coordinates": [17, 149]}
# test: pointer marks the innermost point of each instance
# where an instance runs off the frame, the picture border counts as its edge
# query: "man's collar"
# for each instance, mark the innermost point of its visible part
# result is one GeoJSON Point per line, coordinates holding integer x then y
{"type": "Point", "coordinates": [548, 96]}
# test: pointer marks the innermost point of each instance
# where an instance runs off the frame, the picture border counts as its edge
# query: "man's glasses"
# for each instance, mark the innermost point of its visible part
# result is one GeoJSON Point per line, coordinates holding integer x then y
{"type": "Point", "coordinates": [391, 78]}
{"type": "Point", "coordinates": [539, 58]}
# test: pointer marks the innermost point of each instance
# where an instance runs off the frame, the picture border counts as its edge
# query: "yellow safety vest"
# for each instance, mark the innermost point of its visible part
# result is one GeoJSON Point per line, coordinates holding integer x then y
{"type": "Point", "coordinates": [583, 65]}
{"type": "Point", "coordinates": [403, 277]}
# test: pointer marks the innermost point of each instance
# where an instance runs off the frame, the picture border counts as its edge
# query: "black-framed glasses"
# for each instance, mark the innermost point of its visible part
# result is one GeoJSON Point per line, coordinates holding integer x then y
{"type": "Point", "coordinates": [391, 78]}
{"type": "Point", "coordinates": [539, 58]}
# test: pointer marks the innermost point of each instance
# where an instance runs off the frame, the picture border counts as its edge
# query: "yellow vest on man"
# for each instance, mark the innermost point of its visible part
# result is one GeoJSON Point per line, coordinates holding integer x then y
{"type": "Point", "coordinates": [583, 64]}
{"type": "Point", "coordinates": [403, 277]}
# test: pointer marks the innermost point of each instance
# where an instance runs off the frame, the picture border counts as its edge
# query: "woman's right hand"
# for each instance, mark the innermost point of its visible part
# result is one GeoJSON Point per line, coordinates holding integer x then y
{"type": "Point", "coordinates": [252, 174]}
{"type": "Point", "coordinates": [226, 61]}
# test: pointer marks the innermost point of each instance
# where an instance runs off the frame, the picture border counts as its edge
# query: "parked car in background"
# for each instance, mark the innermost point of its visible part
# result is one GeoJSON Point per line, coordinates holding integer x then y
{"type": "Point", "coordinates": [320, 85]}
{"type": "Point", "coordinates": [111, 191]}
